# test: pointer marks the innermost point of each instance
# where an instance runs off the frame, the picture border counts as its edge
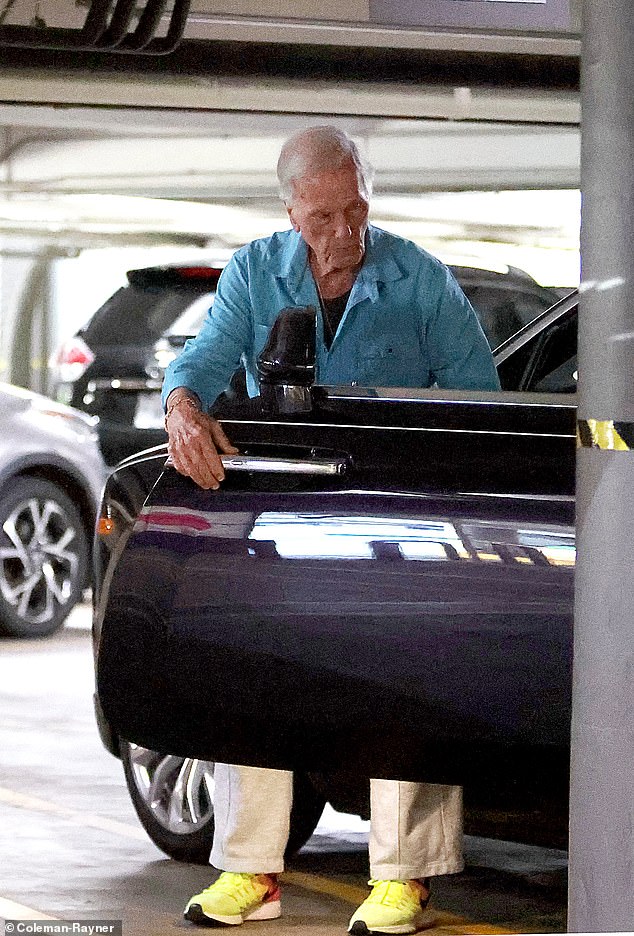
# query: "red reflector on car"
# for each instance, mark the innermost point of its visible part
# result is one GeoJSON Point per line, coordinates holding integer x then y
{"type": "Point", "coordinates": [72, 359]}
{"type": "Point", "coordinates": [150, 277]}
{"type": "Point", "coordinates": [74, 351]}
{"type": "Point", "coordinates": [77, 355]}
{"type": "Point", "coordinates": [200, 272]}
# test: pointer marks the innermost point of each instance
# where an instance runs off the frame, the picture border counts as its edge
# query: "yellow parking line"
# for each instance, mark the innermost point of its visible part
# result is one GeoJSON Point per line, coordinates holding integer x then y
{"type": "Point", "coordinates": [350, 893]}
{"type": "Point", "coordinates": [10, 910]}
{"type": "Point", "coordinates": [24, 801]}
{"type": "Point", "coordinates": [451, 925]}
{"type": "Point", "coordinates": [445, 923]}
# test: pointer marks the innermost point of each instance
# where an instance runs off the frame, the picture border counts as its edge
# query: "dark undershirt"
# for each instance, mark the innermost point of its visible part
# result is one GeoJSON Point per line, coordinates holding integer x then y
{"type": "Point", "coordinates": [332, 312]}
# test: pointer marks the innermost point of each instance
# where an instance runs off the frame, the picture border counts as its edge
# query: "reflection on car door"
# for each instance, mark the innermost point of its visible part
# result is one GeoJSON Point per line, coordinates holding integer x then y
{"type": "Point", "coordinates": [390, 564]}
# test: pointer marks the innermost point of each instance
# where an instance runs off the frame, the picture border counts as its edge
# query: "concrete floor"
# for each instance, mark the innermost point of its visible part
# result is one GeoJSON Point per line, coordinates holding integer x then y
{"type": "Point", "coordinates": [72, 848]}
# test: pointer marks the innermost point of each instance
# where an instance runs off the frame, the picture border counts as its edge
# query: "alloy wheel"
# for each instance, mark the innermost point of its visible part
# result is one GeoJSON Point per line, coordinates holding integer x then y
{"type": "Point", "coordinates": [39, 559]}
{"type": "Point", "coordinates": [178, 790]}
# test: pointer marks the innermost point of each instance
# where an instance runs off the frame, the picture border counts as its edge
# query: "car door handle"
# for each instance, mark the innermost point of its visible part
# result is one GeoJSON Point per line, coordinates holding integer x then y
{"type": "Point", "coordinates": [273, 464]}
{"type": "Point", "coordinates": [280, 465]}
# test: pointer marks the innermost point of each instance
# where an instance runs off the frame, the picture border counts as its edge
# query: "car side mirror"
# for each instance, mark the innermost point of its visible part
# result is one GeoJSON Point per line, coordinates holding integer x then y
{"type": "Point", "coordinates": [286, 364]}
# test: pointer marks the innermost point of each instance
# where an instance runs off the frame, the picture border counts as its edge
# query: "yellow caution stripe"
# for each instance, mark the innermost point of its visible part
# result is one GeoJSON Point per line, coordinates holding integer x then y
{"type": "Point", "coordinates": [609, 434]}
{"type": "Point", "coordinates": [442, 922]}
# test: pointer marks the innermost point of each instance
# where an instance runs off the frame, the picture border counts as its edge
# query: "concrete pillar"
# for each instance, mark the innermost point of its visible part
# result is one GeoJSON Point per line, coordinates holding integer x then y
{"type": "Point", "coordinates": [14, 273]}
{"type": "Point", "coordinates": [602, 764]}
{"type": "Point", "coordinates": [29, 344]}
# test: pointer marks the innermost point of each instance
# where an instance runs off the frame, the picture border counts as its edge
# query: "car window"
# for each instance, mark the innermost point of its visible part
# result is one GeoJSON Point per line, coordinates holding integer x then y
{"type": "Point", "coordinates": [542, 358]}
{"type": "Point", "coordinates": [133, 315]}
{"type": "Point", "coordinates": [503, 311]}
{"type": "Point", "coordinates": [190, 321]}
{"type": "Point", "coordinates": [552, 366]}
{"type": "Point", "coordinates": [562, 379]}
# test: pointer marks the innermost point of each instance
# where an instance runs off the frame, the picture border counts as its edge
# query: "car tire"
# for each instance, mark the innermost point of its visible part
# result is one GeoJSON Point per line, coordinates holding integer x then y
{"type": "Point", "coordinates": [44, 557]}
{"type": "Point", "coordinates": [173, 798]}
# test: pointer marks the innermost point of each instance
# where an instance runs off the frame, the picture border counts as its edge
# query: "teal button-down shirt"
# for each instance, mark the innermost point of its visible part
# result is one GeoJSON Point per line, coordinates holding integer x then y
{"type": "Point", "coordinates": [407, 323]}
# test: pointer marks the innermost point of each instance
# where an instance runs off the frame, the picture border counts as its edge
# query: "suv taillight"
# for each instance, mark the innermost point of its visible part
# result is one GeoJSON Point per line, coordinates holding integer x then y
{"type": "Point", "coordinates": [71, 360]}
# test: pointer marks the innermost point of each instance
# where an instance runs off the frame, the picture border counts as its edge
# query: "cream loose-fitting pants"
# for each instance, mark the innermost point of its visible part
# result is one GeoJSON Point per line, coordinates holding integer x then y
{"type": "Point", "coordinates": [415, 828]}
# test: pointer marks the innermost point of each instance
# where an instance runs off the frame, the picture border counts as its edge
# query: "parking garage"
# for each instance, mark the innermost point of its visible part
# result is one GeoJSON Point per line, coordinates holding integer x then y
{"type": "Point", "coordinates": [113, 162]}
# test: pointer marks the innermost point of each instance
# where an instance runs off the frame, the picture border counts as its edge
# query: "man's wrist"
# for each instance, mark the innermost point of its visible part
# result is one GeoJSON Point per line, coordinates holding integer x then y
{"type": "Point", "coordinates": [181, 397]}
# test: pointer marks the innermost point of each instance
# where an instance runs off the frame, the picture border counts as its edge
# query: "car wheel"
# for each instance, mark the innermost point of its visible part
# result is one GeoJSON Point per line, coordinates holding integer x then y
{"type": "Point", "coordinates": [174, 800]}
{"type": "Point", "coordinates": [44, 555]}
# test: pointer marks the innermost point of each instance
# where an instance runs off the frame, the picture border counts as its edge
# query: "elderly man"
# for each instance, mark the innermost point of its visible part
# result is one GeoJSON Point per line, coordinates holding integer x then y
{"type": "Point", "coordinates": [389, 314]}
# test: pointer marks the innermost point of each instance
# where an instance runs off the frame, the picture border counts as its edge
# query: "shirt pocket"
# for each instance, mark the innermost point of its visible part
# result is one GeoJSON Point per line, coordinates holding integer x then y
{"type": "Point", "coordinates": [394, 359]}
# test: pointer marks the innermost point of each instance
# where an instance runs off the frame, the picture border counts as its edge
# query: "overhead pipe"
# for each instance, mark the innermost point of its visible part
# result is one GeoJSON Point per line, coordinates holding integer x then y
{"type": "Point", "coordinates": [106, 30]}
{"type": "Point", "coordinates": [174, 34]}
{"type": "Point", "coordinates": [148, 24]}
{"type": "Point", "coordinates": [96, 21]}
{"type": "Point", "coordinates": [119, 24]}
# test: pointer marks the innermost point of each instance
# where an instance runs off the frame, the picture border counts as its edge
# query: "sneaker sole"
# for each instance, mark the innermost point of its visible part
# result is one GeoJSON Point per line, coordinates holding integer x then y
{"type": "Point", "coordinates": [266, 911]}
{"type": "Point", "coordinates": [360, 928]}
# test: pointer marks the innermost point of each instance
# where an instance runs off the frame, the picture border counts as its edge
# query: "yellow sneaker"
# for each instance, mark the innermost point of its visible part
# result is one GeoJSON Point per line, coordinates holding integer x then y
{"type": "Point", "coordinates": [235, 898]}
{"type": "Point", "coordinates": [392, 907]}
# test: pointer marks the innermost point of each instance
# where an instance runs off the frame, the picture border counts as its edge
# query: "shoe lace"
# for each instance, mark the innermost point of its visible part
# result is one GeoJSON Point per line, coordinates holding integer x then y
{"type": "Point", "coordinates": [235, 884]}
{"type": "Point", "coordinates": [390, 893]}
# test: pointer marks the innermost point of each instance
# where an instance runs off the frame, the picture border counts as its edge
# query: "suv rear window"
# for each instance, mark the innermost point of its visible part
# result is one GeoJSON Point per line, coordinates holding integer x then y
{"type": "Point", "coordinates": [190, 321]}
{"type": "Point", "coordinates": [139, 316]}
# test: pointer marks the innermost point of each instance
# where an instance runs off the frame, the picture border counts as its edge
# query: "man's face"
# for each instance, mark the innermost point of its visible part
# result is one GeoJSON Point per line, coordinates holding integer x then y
{"type": "Point", "coordinates": [331, 214]}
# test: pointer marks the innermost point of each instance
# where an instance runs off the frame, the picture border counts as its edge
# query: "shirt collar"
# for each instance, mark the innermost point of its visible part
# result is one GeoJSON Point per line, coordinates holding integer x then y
{"type": "Point", "coordinates": [379, 265]}
{"type": "Point", "coordinates": [293, 262]}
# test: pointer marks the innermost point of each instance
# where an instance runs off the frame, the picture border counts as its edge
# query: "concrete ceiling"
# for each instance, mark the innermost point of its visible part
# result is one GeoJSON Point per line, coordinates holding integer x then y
{"type": "Point", "coordinates": [92, 159]}
{"type": "Point", "coordinates": [57, 156]}
{"type": "Point", "coordinates": [549, 27]}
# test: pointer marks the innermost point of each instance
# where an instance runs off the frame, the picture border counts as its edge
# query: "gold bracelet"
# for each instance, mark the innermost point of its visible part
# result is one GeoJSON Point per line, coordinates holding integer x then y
{"type": "Point", "coordinates": [183, 399]}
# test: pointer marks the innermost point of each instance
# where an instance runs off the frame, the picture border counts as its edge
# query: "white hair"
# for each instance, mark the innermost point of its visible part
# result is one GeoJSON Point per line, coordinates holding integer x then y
{"type": "Point", "coordinates": [316, 150]}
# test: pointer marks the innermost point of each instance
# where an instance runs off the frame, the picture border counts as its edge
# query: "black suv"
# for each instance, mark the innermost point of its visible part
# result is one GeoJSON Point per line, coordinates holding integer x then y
{"type": "Point", "coordinates": [113, 367]}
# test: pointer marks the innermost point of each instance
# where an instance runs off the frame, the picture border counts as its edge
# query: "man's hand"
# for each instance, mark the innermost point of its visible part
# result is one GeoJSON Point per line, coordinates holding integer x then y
{"type": "Point", "coordinates": [195, 440]}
